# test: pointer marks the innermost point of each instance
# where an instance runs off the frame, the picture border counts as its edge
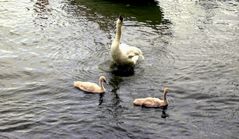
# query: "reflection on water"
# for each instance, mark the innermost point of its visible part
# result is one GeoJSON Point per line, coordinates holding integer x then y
{"type": "Point", "coordinates": [164, 114]}
{"type": "Point", "coordinates": [140, 10]}
{"type": "Point", "coordinates": [42, 12]}
{"type": "Point", "coordinates": [40, 7]}
{"type": "Point", "coordinates": [115, 83]}
{"type": "Point", "coordinates": [122, 71]}
{"type": "Point", "coordinates": [101, 98]}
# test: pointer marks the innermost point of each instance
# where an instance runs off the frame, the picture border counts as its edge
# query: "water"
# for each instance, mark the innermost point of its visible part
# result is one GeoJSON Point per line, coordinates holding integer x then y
{"type": "Point", "coordinates": [190, 46]}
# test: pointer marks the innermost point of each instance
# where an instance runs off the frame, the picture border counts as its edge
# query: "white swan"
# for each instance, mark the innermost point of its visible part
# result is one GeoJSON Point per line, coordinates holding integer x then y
{"type": "Point", "coordinates": [123, 54]}
{"type": "Point", "coordinates": [91, 87]}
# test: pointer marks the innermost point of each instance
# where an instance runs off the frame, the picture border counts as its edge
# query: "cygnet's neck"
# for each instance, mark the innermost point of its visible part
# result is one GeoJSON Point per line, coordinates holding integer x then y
{"type": "Point", "coordinates": [165, 95]}
{"type": "Point", "coordinates": [101, 85]}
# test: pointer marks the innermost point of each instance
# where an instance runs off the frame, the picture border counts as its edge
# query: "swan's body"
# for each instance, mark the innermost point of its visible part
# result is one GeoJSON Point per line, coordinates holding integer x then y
{"type": "Point", "coordinates": [123, 54]}
{"type": "Point", "coordinates": [91, 87]}
{"type": "Point", "coordinates": [152, 102]}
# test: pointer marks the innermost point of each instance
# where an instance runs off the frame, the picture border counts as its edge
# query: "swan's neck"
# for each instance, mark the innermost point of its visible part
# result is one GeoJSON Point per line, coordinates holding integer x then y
{"type": "Point", "coordinates": [115, 44]}
{"type": "Point", "coordinates": [101, 85]}
{"type": "Point", "coordinates": [118, 32]}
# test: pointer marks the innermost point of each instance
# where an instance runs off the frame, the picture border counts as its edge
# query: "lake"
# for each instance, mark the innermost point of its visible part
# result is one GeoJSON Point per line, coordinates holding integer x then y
{"type": "Point", "coordinates": [190, 46]}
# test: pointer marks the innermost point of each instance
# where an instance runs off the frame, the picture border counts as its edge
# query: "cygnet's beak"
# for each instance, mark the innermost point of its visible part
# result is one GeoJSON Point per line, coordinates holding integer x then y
{"type": "Point", "coordinates": [106, 82]}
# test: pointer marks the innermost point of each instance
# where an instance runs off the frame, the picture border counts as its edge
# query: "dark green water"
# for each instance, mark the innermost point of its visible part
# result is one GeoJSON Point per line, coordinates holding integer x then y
{"type": "Point", "coordinates": [189, 46]}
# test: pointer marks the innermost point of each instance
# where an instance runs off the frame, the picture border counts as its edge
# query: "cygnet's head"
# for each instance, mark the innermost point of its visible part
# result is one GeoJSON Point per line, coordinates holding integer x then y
{"type": "Point", "coordinates": [102, 79]}
{"type": "Point", "coordinates": [120, 20]}
{"type": "Point", "coordinates": [165, 90]}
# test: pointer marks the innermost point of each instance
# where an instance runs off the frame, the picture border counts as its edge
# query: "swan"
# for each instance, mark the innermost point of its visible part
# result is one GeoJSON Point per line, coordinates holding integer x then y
{"type": "Point", "coordinates": [152, 102]}
{"type": "Point", "coordinates": [122, 54]}
{"type": "Point", "coordinates": [91, 87]}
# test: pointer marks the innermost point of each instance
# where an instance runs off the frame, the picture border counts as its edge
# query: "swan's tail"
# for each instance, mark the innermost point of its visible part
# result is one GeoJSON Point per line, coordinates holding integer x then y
{"type": "Point", "coordinates": [142, 56]}
{"type": "Point", "coordinates": [136, 58]}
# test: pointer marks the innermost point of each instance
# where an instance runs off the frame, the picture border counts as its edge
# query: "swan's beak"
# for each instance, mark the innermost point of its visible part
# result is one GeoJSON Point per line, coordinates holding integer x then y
{"type": "Point", "coordinates": [121, 18]}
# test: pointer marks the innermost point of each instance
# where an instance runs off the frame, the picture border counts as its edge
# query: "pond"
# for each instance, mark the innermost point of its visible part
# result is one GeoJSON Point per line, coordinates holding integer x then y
{"type": "Point", "coordinates": [190, 46]}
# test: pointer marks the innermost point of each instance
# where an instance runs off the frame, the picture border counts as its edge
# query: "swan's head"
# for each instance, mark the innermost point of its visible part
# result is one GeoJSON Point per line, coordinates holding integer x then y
{"type": "Point", "coordinates": [120, 20]}
{"type": "Point", "coordinates": [102, 79]}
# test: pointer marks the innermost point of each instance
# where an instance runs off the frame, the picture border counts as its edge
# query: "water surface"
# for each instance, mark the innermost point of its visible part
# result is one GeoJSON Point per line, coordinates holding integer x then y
{"type": "Point", "coordinates": [189, 46]}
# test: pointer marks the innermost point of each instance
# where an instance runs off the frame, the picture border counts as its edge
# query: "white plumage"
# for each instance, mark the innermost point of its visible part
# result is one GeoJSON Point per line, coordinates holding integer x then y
{"type": "Point", "coordinates": [123, 54]}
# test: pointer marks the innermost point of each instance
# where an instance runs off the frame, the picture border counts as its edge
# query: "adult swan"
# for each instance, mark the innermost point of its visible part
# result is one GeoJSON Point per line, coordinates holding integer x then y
{"type": "Point", "coordinates": [122, 54]}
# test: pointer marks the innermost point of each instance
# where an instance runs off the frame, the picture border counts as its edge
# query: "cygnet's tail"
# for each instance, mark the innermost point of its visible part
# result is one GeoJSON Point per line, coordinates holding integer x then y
{"type": "Point", "coordinates": [138, 102]}
{"type": "Point", "coordinates": [77, 84]}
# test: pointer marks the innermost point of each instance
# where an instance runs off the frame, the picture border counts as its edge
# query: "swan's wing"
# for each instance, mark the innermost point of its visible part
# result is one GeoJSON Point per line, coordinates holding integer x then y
{"type": "Point", "coordinates": [124, 48]}
{"type": "Point", "coordinates": [135, 59]}
{"type": "Point", "coordinates": [124, 45]}
{"type": "Point", "coordinates": [134, 55]}
{"type": "Point", "coordinates": [131, 50]}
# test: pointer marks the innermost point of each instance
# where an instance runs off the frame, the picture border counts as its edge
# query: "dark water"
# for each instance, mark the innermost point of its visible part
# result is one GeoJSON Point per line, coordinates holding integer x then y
{"type": "Point", "coordinates": [190, 46]}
